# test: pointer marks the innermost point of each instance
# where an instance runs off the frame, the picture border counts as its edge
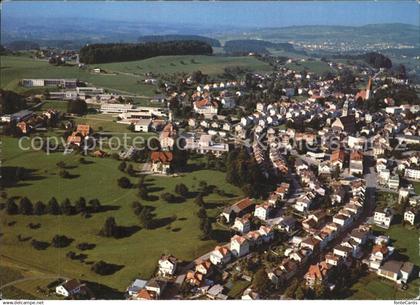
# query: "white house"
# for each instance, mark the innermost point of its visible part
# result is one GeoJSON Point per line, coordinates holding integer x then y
{"type": "Point", "coordinates": [394, 182]}
{"type": "Point", "coordinates": [410, 216]}
{"type": "Point", "coordinates": [412, 173]}
{"type": "Point", "coordinates": [262, 211]}
{"type": "Point", "coordinates": [167, 265]}
{"type": "Point", "coordinates": [239, 246]}
{"type": "Point", "coordinates": [220, 256]}
{"type": "Point", "coordinates": [383, 218]}
{"type": "Point", "coordinates": [242, 225]}
{"type": "Point", "coordinates": [69, 288]}
{"type": "Point", "coordinates": [304, 202]}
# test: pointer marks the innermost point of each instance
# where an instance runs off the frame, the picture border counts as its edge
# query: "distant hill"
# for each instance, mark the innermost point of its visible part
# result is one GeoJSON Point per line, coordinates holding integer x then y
{"type": "Point", "coordinates": [159, 38]}
{"type": "Point", "coordinates": [242, 46]}
{"type": "Point", "coordinates": [374, 33]}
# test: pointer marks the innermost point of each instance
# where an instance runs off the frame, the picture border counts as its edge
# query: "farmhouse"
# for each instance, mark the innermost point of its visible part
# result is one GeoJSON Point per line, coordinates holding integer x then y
{"type": "Point", "coordinates": [161, 161]}
{"type": "Point", "coordinates": [238, 209]}
{"type": "Point", "coordinates": [70, 288]}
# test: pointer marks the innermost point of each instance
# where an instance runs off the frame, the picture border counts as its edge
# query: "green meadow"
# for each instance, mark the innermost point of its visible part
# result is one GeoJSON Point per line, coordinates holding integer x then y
{"type": "Point", "coordinates": [136, 254]}
{"type": "Point", "coordinates": [124, 77]}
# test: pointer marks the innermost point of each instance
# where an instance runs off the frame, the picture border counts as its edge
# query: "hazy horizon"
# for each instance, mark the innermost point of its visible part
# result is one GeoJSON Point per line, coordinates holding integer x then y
{"type": "Point", "coordinates": [223, 14]}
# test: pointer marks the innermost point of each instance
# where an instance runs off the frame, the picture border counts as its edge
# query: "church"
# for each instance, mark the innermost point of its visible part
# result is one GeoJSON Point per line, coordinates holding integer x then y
{"type": "Point", "coordinates": [365, 94]}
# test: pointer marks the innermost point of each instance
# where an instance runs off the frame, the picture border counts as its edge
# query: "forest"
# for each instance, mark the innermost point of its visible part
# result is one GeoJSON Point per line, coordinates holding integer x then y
{"type": "Point", "coordinates": [115, 52]}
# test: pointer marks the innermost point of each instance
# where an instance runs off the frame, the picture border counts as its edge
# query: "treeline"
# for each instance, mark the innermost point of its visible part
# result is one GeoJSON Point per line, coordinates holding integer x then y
{"type": "Point", "coordinates": [104, 53]}
{"type": "Point", "coordinates": [160, 38]}
{"type": "Point", "coordinates": [374, 59]}
{"type": "Point", "coordinates": [25, 207]}
{"type": "Point", "coordinates": [256, 46]}
{"type": "Point", "coordinates": [11, 102]}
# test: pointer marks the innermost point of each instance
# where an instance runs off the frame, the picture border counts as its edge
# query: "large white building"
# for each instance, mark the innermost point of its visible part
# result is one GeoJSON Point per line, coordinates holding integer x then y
{"type": "Point", "coordinates": [412, 173]}
{"type": "Point", "coordinates": [205, 144]}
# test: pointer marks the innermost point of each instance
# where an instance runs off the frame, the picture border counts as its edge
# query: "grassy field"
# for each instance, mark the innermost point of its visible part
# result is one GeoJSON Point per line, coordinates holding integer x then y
{"type": "Point", "coordinates": [14, 68]}
{"type": "Point", "coordinates": [372, 287]}
{"type": "Point", "coordinates": [54, 104]}
{"type": "Point", "coordinates": [211, 65]}
{"type": "Point", "coordinates": [126, 77]}
{"type": "Point", "coordinates": [405, 240]}
{"type": "Point", "coordinates": [138, 253]}
{"type": "Point", "coordinates": [318, 67]}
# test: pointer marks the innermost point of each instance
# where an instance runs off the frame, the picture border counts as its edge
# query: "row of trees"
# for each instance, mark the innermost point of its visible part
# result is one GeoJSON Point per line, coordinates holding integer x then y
{"type": "Point", "coordinates": [11, 102]}
{"type": "Point", "coordinates": [25, 207]}
{"type": "Point", "coordinates": [113, 52]}
{"type": "Point", "coordinates": [205, 223]}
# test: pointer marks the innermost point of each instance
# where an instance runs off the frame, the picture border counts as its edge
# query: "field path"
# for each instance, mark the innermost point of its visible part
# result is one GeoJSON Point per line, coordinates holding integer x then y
{"type": "Point", "coordinates": [41, 277]}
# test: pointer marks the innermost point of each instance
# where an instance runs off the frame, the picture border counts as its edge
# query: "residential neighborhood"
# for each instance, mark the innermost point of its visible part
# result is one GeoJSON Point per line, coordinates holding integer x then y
{"type": "Point", "coordinates": [209, 168]}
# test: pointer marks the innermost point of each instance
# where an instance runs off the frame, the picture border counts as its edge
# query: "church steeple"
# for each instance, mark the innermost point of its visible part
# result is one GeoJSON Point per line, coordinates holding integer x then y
{"type": "Point", "coordinates": [369, 88]}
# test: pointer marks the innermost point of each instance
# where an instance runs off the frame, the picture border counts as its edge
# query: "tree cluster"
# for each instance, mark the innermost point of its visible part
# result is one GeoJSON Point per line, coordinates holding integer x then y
{"type": "Point", "coordinates": [243, 171]}
{"type": "Point", "coordinates": [114, 52]}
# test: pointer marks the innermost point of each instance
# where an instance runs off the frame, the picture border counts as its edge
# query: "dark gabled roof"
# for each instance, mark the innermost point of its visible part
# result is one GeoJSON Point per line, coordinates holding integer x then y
{"type": "Point", "coordinates": [392, 266]}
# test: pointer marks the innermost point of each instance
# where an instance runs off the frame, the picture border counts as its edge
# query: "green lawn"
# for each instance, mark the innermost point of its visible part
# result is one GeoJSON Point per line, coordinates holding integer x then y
{"type": "Point", "coordinates": [53, 104]}
{"type": "Point", "coordinates": [138, 253]}
{"type": "Point", "coordinates": [372, 287]}
{"type": "Point", "coordinates": [405, 240]}
{"type": "Point", "coordinates": [238, 288]}
{"type": "Point", "coordinates": [318, 67]}
{"type": "Point", "coordinates": [416, 187]}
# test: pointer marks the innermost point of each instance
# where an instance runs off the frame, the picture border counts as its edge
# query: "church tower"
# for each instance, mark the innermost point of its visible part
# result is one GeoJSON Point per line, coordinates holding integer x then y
{"type": "Point", "coordinates": [345, 111]}
{"type": "Point", "coordinates": [369, 88]}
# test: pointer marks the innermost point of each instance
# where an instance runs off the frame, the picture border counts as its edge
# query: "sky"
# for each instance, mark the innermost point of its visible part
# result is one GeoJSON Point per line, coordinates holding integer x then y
{"type": "Point", "coordinates": [238, 14]}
